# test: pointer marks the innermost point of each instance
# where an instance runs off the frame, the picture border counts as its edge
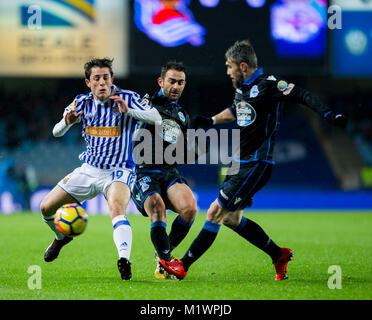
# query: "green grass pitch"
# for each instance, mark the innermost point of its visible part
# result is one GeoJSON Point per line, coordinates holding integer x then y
{"type": "Point", "coordinates": [231, 270]}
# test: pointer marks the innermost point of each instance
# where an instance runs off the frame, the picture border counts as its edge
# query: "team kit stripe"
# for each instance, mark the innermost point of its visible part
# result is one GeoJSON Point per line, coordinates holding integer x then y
{"type": "Point", "coordinates": [107, 132]}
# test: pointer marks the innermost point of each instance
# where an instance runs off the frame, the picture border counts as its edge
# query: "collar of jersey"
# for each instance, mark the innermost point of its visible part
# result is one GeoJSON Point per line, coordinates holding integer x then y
{"type": "Point", "coordinates": [160, 93]}
{"type": "Point", "coordinates": [253, 77]}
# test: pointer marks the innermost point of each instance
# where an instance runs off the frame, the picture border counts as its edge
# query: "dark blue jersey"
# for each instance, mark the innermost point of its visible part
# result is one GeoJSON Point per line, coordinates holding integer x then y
{"type": "Point", "coordinates": [171, 134]}
{"type": "Point", "coordinates": [257, 108]}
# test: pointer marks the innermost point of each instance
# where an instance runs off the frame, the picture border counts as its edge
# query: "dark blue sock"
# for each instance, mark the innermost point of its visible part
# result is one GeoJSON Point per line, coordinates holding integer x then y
{"type": "Point", "coordinates": [201, 243]}
{"type": "Point", "coordinates": [252, 232]}
{"type": "Point", "coordinates": [160, 239]}
{"type": "Point", "coordinates": [179, 230]}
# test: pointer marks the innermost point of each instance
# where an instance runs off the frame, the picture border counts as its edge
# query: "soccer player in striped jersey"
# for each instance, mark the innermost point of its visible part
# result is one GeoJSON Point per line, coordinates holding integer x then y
{"type": "Point", "coordinates": [108, 116]}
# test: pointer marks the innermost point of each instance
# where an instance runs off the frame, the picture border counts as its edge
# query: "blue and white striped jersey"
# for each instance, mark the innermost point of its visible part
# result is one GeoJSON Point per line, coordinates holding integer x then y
{"type": "Point", "coordinates": [106, 131]}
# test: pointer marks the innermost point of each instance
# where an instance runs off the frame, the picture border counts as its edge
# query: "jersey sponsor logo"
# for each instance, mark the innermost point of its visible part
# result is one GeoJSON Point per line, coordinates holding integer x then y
{"type": "Point", "coordinates": [282, 85]}
{"type": "Point", "coordinates": [245, 114]}
{"type": "Point", "coordinates": [170, 130]}
{"type": "Point", "coordinates": [182, 117]}
{"type": "Point", "coordinates": [254, 92]}
{"type": "Point", "coordinates": [105, 132]}
{"type": "Point", "coordinates": [289, 89]}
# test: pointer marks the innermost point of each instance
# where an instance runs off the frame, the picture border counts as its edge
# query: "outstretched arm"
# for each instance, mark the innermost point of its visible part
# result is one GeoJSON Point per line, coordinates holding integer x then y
{"type": "Point", "coordinates": [292, 93]}
{"type": "Point", "coordinates": [225, 116]}
{"type": "Point", "coordinates": [151, 116]}
{"type": "Point", "coordinates": [66, 123]}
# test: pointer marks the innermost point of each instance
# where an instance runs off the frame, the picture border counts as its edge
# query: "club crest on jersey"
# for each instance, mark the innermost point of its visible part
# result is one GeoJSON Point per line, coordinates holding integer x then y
{"type": "Point", "coordinates": [282, 85]}
{"type": "Point", "coordinates": [182, 117]}
{"type": "Point", "coordinates": [254, 92]}
{"type": "Point", "coordinates": [245, 114]}
{"type": "Point", "coordinates": [170, 130]}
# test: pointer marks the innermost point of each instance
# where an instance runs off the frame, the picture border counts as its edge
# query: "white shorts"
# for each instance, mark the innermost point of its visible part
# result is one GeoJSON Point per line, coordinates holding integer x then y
{"type": "Point", "coordinates": [86, 182]}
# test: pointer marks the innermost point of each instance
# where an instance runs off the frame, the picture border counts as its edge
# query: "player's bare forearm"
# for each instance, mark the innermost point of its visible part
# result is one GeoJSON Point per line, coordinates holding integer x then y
{"type": "Point", "coordinates": [224, 116]}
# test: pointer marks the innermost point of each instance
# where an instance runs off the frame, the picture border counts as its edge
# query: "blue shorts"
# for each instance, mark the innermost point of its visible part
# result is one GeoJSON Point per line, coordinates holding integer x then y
{"type": "Point", "coordinates": [153, 181]}
{"type": "Point", "coordinates": [238, 189]}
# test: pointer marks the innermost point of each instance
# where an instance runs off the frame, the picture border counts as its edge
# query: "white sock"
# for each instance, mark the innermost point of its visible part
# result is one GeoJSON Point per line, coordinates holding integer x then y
{"type": "Point", "coordinates": [122, 236]}
{"type": "Point", "coordinates": [50, 222]}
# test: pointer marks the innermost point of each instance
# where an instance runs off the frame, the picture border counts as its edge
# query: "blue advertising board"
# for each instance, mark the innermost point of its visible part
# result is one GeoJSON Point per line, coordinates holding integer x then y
{"type": "Point", "coordinates": [352, 45]}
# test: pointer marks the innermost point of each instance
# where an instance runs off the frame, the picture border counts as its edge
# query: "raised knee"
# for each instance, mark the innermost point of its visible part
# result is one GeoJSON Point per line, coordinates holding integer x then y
{"type": "Point", "coordinates": [188, 211]}
{"type": "Point", "coordinates": [216, 212]}
{"type": "Point", "coordinates": [117, 207]}
{"type": "Point", "coordinates": [231, 220]}
{"type": "Point", "coordinates": [44, 209]}
{"type": "Point", "coordinates": [156, 207]}
{"type": "Point", "coordinates": [228, 222]}
{"type": "Point", "coordinates": [156, 203]}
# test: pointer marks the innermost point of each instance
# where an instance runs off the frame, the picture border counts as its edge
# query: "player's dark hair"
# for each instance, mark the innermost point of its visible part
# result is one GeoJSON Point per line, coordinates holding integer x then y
{"type": "Point", "coordinates": [172, 65]}
{"type": "Point", "coordinates": [242, 51]}
{"type": "Point", "coordinates": [95, 62]}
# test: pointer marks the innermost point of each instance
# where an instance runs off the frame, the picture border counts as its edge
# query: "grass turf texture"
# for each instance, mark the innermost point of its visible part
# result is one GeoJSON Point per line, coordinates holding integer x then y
{"type": "Point", "coordinates": [232, 269]}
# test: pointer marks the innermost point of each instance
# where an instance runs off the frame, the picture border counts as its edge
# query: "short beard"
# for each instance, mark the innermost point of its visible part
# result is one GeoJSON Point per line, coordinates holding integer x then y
{"type": "Point", "coordinates": [237, 83]}
{"type": "Point", "coordinates": [168, 95]}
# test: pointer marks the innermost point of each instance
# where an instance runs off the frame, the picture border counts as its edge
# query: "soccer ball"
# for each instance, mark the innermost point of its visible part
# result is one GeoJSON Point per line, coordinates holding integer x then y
{"type": "Point", "coordinates": [71, 219]}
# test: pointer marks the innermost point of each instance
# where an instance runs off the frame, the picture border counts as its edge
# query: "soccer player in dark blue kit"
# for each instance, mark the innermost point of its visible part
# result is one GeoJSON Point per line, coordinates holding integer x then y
{"type": "Point", "coordinates": [159, 186]}
{"type": "Point", "coordinates": [256, 109]}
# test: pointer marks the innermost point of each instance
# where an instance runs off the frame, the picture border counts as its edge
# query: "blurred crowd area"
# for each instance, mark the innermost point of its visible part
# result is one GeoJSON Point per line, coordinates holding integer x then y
{"type": "Point", "coordinates": [30, 156]}
{"type": "Point", "coordinates": [27, 118]}
{"type": "Point", "coordinates": [358, 108]}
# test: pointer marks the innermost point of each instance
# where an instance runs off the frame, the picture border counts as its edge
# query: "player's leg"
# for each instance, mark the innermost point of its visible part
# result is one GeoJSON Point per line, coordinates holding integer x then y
{"type": "Point", "coordinates": [201, 244]}
{"type": "Point", "coordinates": [56, 198]}
{"type": "Point", "coordinates": [155, 209]}
{"type": "Point", "coordinates": [181, 200]}
{"type": "Point", "coordinates": [118, 196]}
{"type": "Point", "coordinates": [252, 232]}
{"type": "Point", "coordinates": [236, 194]}
{"type": "Point", "coordinates": [146, 196]}
{"type": "Point", "coordinates": [207, 235]}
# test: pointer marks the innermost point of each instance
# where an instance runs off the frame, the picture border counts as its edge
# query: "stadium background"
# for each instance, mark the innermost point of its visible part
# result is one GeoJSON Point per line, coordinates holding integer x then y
{"type": "Point", "coordinates": [41, 71]}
